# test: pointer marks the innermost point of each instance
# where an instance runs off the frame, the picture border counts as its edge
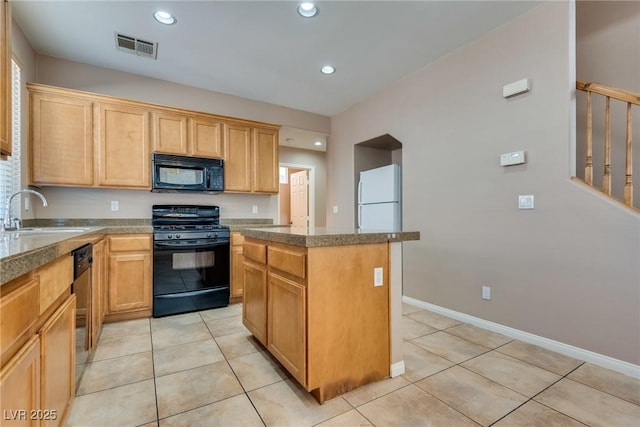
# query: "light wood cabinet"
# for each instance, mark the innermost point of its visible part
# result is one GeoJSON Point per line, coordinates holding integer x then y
{"type": "Point", "coordinates": [130, 275]}
{"type": "Point", "coordinates": [124, 154]}
{"type": "Point", "coordinates": [237, 266]}
{"type": "Point", "coordinates": [251, 159]}
{"type": "Point", "coordinates": [61, 140]}
{"type": "Point", "coordinates": [170, 133]}
{"type": "Point", "coordinates": [5, 79]}
{"type": "Point", "coordinates": [205, 136]}
{"type": "Point", "coordinates": [286, 324]}
{"type": "Point", "coordinates": [254, 300]}
{"type": "Point", "coordinates": [57, 363]}
{"type": "Point", "coordinates": [237, 160]}
{"type": "Point", "coordinates": [84, 139]}
{"type": "Point", "coordinates": [187, 135]}
{"type": "Point", "coordinates": [265, 160]}
{"type": "Point", "coordinates": [326, 322]}
{"type": "Point", "coordinates": [20, 386]}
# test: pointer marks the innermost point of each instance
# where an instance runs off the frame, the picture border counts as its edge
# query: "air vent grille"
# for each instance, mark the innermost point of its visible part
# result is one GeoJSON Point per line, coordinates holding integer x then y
{"type": "Point", "coordinates": [136, 46]}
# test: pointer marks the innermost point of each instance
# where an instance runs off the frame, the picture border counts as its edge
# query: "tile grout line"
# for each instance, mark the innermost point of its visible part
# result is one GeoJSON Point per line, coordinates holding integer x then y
{"type": "Point", "coordinates": [153, 369]}
{"type": "Point", "coordinates": [238, 379]}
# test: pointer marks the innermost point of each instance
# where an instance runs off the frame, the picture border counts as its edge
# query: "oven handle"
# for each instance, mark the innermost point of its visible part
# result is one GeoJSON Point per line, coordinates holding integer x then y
{"type": "Point", "coordinates": [162, 245]}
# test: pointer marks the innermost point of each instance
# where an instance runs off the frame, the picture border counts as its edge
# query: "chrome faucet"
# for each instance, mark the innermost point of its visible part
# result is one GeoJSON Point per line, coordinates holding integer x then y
{"type": "Point", "coordinates": [14, 223]}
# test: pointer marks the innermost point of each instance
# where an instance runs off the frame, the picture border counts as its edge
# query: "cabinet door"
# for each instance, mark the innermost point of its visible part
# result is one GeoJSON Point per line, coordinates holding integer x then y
{"type": "Point", "coordinates": [237, 271]}
{"type": "Point", "coordinates": [123, 146]}
{"type": "Point", "coordinates": [98, 282]}
{"type": "Point", "coordinates": [57, 362]}
{"type": "Point", "coordinates": [287, 339]}
{"type": "Point", "coordinates": [170, 133]}
{"type": "Point", "coordinates": [5, 79]}
{"type": "Point", "coordinates": [205, 137]}
{"type": "Point", "coordinates": [129, 281]}
{"type": "Point", "coordinates": [265, 160]}
{"type": "Point", "coordinates": [20, 386]}
{"type": "Point", "coordinates": [61, 140]}
{"type": "Point", "coordinates": [237, 160]}
{"type": "Point", "coordinates": [254, 300]}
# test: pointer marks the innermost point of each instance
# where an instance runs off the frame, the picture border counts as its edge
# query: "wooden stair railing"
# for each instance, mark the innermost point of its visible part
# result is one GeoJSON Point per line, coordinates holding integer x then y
{"type": "Point", "coordinates": [620, 95]}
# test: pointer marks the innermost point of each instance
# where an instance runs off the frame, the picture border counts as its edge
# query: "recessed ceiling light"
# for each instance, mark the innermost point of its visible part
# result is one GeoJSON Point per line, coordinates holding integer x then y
{"type": "Point", "coordinates": [317, 143]}
{"type": "Point", "coordinates": [327, 69]}
{"type": "Point", "coordinates": [307, 9]}
{"type": "Point", "coordinates": [164, 17]}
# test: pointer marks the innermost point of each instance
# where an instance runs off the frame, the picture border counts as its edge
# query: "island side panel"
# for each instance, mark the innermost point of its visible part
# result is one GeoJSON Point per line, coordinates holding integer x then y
{"type": "Point", "coordinates": [348, 318]}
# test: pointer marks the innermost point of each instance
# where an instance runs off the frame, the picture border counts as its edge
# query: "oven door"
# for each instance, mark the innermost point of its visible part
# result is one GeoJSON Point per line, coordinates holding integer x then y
{"type": "Point", "coordinates": [190, 275]}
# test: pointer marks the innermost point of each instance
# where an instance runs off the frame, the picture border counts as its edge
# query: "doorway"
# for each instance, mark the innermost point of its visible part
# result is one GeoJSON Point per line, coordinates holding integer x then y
{"type": "Point", "coordinates": [296, 196]}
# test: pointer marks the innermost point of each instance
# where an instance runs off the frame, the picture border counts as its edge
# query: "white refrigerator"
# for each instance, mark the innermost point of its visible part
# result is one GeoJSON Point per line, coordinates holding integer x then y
{"type": "Point", "coordinates": [379, 199]}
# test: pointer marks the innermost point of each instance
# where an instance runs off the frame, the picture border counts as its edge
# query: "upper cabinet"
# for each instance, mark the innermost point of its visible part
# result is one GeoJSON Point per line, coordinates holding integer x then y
{"type": "Point", "coordinates": [83, 139]}
{"type": "Point", "coordinates": [5, 79]}
{"type": "Point", "coordinates": [61, 149]}
{"type": "Point", "coordinates": [251, 159]}
{"type": "Point", "coordinates": [123, 145]}
{"type": "Point", "coordinates": [187, 135]}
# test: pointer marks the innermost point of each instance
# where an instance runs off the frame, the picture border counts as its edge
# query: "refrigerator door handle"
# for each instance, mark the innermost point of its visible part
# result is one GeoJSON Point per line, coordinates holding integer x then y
{"type": "Point", "coordinates": [359, 216]}
{"type": "Point", "coordinates": [360, 192]}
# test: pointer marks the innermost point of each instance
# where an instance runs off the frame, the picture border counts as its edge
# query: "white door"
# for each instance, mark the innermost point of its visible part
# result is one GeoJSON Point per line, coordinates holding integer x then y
{"type": "Point", "coordinates": [299, 199]}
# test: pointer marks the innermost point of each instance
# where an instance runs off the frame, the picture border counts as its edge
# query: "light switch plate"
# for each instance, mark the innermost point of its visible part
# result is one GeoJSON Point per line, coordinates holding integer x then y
{"type": "Point", "coordinates": [525, 202]}
{"type": "Point", "coordinates": [377, 276]}
{"type": "Point", "coordinates": [254, 209]}
{"type": "Point", "coordinates": [115, 205]}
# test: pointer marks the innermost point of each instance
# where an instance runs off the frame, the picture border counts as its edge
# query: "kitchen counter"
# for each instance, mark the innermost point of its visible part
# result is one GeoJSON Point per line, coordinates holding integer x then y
{"type": "Point", "coordinates": [322, 236]}
{"type": "Point", "coordinates": [23, 252]}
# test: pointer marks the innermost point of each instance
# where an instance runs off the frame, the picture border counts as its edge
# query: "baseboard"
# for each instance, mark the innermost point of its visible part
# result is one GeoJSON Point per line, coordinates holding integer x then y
{"type": "Point", "coordinates": [620, 366]}
{"type": "Point", "coordinates": [397, 369]}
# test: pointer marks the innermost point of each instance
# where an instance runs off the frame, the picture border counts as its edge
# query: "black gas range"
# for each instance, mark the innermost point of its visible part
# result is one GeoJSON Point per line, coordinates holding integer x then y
{"type": "Point", "coordinates": [190, 259]}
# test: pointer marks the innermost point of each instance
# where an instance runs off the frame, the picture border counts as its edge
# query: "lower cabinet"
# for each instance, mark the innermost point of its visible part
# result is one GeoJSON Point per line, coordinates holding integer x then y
{"type": "Point", "coordinates": [20, 386]}
{"type": "Point", "coordinates": [318, 312]}
{"type": "Point", "coordinates": [57, 364]}
{"type": "Point", "coordinates": [130, 275]}
{"type": "Point", "coordinates": [254, 312]}
{"type": "Point", "coordinates": [237, 266]}
{"type": "Point", "coordinates": [286, 320]}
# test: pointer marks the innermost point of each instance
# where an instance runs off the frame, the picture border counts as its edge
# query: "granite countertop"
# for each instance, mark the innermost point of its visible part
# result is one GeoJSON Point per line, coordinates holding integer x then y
{"type": "Point", "coordinates": [22, 252]}
{"type": "Point", "coordinates": [321, 236]}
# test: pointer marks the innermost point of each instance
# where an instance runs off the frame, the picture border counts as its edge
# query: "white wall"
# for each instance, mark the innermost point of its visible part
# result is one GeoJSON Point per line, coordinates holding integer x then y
{"type": "Point", "coordinates": [567, 270]}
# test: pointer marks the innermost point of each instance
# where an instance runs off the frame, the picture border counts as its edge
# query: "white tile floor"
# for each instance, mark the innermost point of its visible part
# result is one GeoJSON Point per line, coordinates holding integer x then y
{"type": "Point", "coordinates": [205, 369]}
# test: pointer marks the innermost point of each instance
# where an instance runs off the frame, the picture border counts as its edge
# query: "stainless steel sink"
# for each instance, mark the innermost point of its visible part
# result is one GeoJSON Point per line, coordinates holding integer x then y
{"type": "Point", "coordinates": [31, 231]}
{"type": "Point", "coordinates": [38, 230]}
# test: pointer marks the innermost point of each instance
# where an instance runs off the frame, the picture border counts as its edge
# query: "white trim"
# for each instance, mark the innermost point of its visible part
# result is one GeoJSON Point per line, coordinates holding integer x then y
{"type": "Point", "coordinates": [621, 366]}
{"type": "Point", "coordinates": [312, 191]}
{"type": "Point", "coordinates": [397, 369]}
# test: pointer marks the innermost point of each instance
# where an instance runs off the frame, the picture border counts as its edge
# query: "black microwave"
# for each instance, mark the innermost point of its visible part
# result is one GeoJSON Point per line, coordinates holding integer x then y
{"type": "Point", "coordinates": [190, 174]}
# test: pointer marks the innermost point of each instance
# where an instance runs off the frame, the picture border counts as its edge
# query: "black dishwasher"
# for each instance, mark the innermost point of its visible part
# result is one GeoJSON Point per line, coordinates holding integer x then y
{"type": "Point", "coordinates": [81, 286]}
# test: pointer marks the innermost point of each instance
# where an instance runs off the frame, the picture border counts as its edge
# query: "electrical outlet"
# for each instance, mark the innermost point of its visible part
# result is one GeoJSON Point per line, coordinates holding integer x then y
{"type": "Point", "coordinates": [335, 209]}
{"type": "Point", "coordinates": [525, 202]}
{"type": "Point", "coordinates": [486, 292]}
{"type": "Point", "coordinates": [377, 276]}
{"type": "Point", "coordinates": [115, 205]}
{"type": "Point", "coordinates": [254, 209]}
{"type": "Point", "coordinates": [27, 203]}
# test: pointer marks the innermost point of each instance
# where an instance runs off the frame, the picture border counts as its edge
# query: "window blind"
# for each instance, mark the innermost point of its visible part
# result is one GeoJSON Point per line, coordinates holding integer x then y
{"type": "Point", "coordinates": [10, 169]}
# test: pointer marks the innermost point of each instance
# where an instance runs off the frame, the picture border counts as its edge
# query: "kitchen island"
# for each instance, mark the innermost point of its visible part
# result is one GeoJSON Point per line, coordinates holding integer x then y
{"type": "Point", "coordinates": [326, 303]}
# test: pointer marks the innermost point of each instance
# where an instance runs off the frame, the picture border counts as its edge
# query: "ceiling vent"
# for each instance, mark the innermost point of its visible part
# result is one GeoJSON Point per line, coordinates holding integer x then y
{"type": "Point", "coordinates": [136, 46]}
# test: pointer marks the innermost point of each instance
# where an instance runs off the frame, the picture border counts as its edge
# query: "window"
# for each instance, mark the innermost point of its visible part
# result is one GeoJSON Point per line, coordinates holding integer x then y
{"type": "Point", "coordinates": [10, 169]}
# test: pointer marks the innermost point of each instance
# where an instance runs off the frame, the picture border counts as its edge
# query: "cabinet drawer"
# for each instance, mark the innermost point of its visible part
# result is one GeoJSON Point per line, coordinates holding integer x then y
{"type": "Point", "coordinates": [237, 239]}
{"type": "Point", "coordinates": [255, 252]}
{"type": "Point", "coordinates": [126, 243]}
{"type": "Point", "coordinates": [19, 310]}
{"type": "Point", "coordinates": [55, 279]}
{"type": "Point", "coordinates": [288, 261]}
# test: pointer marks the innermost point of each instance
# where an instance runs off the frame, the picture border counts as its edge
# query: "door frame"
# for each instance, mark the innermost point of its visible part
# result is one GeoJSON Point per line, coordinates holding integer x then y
{"type": "Point", "coordinates": [311, 193]}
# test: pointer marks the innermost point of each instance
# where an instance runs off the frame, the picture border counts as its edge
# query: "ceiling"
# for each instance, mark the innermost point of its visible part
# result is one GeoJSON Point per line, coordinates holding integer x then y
{"type": "Point", "coordinates": [263, 50]}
